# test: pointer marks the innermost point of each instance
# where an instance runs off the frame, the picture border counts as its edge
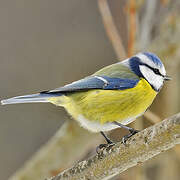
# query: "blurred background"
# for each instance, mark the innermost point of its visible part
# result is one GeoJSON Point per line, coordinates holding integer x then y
{"type": "Point", "coordinates": [46, 44]}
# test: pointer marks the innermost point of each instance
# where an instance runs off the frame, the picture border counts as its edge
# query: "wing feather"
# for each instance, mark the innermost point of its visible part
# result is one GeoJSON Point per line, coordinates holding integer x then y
{"type": "Point", "coordinates": [96, 83]}
{"type": "Point", "coordinates": [116, 76]}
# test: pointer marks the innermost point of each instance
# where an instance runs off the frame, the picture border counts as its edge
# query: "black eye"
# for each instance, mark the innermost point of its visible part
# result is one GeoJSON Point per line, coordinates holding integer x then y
{"type": "Point", "coordinates": [156, 71]}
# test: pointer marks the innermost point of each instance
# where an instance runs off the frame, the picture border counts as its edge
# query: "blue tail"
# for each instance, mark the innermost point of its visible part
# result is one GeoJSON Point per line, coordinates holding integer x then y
{"type": "Point", "coordinates": [32, 98]}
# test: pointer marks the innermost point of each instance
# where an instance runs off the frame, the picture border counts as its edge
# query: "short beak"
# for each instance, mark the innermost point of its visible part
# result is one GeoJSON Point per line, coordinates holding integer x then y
{"type": "Point", "coordinates": [167, 78]}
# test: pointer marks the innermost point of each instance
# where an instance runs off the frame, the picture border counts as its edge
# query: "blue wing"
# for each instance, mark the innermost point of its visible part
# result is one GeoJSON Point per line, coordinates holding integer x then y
{"type": "Point", "coordinates": [97, 82]}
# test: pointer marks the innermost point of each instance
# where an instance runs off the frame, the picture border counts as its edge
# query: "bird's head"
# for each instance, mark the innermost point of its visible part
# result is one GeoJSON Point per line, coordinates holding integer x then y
{"type": "Point", "coordinates": [147, 65]}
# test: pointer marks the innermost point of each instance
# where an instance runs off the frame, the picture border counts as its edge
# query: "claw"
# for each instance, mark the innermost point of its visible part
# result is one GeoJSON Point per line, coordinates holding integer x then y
{"type": "Point", "coordinates": [126, 137]}
{"type": "Point", "coordinates": [102, 146]}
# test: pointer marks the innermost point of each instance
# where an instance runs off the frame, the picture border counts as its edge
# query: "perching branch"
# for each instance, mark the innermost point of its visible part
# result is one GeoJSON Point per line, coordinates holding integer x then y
{"type": "Point", "coordinates": [118, 158]}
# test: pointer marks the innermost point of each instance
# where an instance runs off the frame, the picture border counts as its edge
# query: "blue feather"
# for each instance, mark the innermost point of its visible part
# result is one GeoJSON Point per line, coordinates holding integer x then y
{"type": "Point", "coordinates": [154, 58]}
{"type": "Point", "coordinates": [120, 83]}
{"type": "Point", "coordinates": [134, 63]}
{"type": "Point", "coordinates": [97, 82]}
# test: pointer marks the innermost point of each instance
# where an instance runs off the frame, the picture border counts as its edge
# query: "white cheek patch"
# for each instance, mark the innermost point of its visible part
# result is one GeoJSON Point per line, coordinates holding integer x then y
{"type": "Point", "coordinates": [154, 79]}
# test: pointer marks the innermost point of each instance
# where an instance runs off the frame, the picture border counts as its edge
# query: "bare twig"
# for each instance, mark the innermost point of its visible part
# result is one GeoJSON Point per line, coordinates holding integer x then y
{"type": "Point", "coordinates": [118, 158]}
{"type": "Point", "coordinates": [111, 29]}
{"type": "Point", "coordinates": [162, 14]}
{"type": "Point", "coordinates": [147, 23]}
{"type": "Point", "coordinates": [132, 27]}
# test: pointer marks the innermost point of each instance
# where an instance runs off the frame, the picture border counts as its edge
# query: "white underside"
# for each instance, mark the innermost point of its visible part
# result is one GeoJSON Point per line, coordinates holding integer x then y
{"type": "Point", "coordinates": [97, 127]}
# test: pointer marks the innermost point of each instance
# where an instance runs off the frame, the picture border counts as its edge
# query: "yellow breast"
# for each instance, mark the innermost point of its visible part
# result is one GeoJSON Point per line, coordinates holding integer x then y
{"type": "Point", "coordinates": [109, 105]}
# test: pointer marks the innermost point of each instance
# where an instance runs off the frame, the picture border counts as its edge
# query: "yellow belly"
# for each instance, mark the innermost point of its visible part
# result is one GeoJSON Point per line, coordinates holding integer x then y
{"type": "Point", "coordinates": [105, 106]}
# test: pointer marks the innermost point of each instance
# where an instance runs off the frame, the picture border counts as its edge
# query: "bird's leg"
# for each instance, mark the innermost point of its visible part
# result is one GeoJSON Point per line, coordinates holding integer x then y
{"type": "Point", "coordinates": [131, 130]}
{"type": "Point", "coordinates": [108, 140]}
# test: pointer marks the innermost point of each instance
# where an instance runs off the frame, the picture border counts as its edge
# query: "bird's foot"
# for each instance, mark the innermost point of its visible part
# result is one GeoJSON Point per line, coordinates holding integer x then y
{"type": "Point", "coordinates": [126, 137]}
{"type": "Point", "coordinates": [103, 146]}
{"type": "Point", "coordinates": [109, 144]}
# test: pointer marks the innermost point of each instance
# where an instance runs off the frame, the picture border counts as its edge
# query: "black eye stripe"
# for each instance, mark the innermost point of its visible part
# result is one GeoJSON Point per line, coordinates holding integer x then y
{"type": "Point", "coordinates": [156, 71]}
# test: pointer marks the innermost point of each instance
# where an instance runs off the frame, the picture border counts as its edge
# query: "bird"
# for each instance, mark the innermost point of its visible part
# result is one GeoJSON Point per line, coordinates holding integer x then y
{"type": "Point", "coordinates": [110, 98]}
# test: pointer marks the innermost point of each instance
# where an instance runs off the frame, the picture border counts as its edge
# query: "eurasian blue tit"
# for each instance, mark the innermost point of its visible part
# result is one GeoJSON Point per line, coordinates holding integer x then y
{"type": "Point", "coordinates": [110, 98]}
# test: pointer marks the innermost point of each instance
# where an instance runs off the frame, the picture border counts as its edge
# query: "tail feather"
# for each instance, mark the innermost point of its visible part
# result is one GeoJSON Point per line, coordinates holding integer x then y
{"type": "Point", "coordinates": [32, 98]}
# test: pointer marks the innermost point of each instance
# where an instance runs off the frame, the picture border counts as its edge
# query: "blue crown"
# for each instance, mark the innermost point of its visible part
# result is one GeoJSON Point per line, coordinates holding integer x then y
{"type": "Point", "coordinates": [154, 58]}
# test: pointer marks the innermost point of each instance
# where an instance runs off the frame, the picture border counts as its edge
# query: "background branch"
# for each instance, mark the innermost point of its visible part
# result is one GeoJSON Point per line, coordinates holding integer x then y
{"type": "Point", "coordinates": [131, 10]}
{"type": "Point", "coordinates": [147, 23]}
{"type": "Point", "coordinates": [111, 29]}
{"type": "Point", "coordinates": [116, 159]}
